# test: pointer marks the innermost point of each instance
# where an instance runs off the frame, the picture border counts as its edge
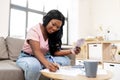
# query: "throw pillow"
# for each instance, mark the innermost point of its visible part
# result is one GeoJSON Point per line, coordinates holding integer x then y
{"type": "Point", "coordinates": [14, 47]}
{"type": "Point", "coordinates": [3, 49]}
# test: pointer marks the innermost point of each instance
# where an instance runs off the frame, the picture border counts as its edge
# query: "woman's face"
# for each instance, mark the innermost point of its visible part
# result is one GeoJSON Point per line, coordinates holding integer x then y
{"type": "Point", "coordinates": [53, 26]}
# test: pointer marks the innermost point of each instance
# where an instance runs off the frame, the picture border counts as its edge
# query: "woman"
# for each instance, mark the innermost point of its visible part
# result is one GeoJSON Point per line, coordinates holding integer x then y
{"type": "Point", "coordinates": [42, 47]}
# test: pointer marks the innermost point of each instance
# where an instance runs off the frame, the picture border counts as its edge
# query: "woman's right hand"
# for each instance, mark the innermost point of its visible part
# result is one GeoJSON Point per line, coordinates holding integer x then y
{"type": "Point", "coordinates": [53, 67]}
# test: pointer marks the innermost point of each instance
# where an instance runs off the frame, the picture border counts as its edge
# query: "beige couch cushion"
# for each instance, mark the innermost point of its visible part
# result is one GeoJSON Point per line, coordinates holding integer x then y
{"type": "Point", "coordinates": [3, 49]}
{"type": "Point", "coordinates": [14, 47]}
{"type": "Point", "coordinates": [10, 71]}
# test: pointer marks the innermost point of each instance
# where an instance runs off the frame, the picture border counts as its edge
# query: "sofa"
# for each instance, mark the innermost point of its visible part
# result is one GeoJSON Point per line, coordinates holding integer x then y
{"type": "Point", "coordinates": [9, 51]}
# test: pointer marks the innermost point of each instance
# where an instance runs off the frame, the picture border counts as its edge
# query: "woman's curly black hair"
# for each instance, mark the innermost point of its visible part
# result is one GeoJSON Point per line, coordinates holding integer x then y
{"type": "Point", "coordinates": [54, 40]}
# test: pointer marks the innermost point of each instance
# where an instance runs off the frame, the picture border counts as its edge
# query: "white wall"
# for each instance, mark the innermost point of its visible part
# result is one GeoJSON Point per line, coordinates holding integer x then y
{"type": "Point", "coordinates": [85, 29]}
{"type": "Point", "coordinates": [73, 20]}
{"type": "Point", "coordinates": [98, 13]}
{"type": "Point", "coordinates": [79, 20]}
{"type": "Point", "coordinates": [106, 13]}
{"type": "Point", "coordinates": [4, 17]}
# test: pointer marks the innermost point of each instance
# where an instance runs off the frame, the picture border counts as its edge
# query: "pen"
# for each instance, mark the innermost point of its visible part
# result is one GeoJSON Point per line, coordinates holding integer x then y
{"type": "Point", "coordinates": [52, 58]}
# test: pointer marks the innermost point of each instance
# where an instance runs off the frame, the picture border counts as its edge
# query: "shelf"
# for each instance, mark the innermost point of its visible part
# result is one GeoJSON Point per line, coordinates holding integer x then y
{"type": "Point", "coordinates": [106, 50]}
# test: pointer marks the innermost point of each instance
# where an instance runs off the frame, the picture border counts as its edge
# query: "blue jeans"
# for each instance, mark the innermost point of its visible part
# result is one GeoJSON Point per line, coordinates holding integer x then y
{"type": "Point", "coordinates": [31, 65]}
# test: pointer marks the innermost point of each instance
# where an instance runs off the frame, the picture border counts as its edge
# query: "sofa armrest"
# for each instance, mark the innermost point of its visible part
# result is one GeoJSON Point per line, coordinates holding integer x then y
{"type": "Point", "coordinates": [71, 56]}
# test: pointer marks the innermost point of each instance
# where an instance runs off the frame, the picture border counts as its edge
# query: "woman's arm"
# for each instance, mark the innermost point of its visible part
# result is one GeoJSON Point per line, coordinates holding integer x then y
{"type": "Point", "coordinates": [35, 45]}
{"type": "Point", "coordinates": [63, 52]}
{"type": "Point", "coordinates": [67, 52]}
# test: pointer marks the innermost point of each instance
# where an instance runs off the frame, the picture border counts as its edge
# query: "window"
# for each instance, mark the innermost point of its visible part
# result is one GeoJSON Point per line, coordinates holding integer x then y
{"type": "Point", "coordinates": [26, 13]}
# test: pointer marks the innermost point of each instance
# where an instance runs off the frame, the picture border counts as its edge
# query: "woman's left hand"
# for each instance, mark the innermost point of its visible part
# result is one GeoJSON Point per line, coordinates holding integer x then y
{"type": "Point", "coordinates": [77, 50]}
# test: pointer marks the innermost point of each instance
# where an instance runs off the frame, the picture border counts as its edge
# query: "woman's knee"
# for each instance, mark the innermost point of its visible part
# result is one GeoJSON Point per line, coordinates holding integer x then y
{"type": "Point", "coordinates": [35, 67]}
{"type": "Point", "coordinates": [64, 61]}
{"type": "Point", "coordinates": [30, 64]}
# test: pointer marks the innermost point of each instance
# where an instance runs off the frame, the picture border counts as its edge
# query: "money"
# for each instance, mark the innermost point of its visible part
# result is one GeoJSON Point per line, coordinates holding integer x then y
{"type": "Point", "coordinates": [79, 42]}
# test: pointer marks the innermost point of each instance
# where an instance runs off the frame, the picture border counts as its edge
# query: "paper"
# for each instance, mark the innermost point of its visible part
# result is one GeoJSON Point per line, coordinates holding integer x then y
{"type": "Point", "coordinates": [71, 71]}
{"type": "Point", "coordinates": [74, 71]}
{"type": "Point", "coordinates": [101, 71]}
{"type": "Point", "coordinates": [67, 71]}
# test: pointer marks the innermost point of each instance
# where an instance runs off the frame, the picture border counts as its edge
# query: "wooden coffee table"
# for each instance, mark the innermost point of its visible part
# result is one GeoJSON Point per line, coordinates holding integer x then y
{"type": "Point", "coordinates": [55, 76]}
